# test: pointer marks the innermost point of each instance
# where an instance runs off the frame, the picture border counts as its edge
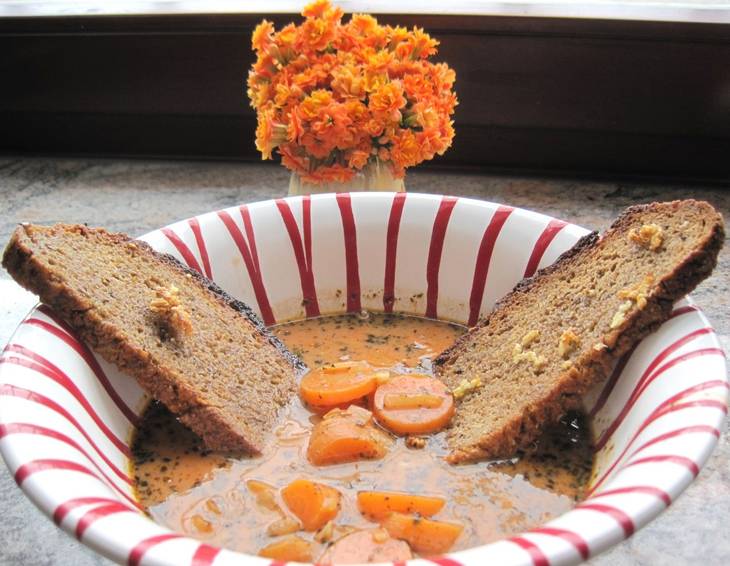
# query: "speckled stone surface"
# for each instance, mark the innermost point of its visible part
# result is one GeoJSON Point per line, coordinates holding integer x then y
{"type": "Point", "coordinates": [136, 196]}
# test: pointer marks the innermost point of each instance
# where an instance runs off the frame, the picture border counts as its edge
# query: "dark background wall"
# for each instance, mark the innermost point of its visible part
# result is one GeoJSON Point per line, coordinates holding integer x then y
{"type": "Point", "coordinates": [564, 96]}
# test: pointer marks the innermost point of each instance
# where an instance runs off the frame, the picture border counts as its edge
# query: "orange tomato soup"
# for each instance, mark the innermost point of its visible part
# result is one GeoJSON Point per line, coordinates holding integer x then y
{"type": "Point", "coordinates": [239, 503]}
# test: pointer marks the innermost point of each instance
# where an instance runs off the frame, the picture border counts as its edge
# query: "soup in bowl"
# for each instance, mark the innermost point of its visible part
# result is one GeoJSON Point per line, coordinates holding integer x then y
{"type": "Point", "coordinates": [373, 286]}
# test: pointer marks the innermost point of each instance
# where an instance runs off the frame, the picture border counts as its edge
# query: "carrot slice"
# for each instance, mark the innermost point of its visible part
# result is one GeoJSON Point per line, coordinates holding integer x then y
{"type": "Point", "coordinates": [409, 404]}
{"type": "Point", "coordinates": [426, 536]}
{"type": "Point", "coordinates": [313, 503]}
{"type": "Point", "coordinates": [338, 384]}
{"type": "Point", "coordinates": [346, 436]}
{"type": "Point", "coordinates": [360, 547]}
{"type": "Point", "coordinates": [377, 505]}
{"type": "Point", "coordinates": [322, 409]}
{"type": "Point", "coordinates": [290, 549]}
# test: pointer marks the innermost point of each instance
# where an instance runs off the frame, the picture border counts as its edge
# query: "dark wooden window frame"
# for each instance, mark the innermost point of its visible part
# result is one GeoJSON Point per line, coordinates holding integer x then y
{"type": "Point", "coordinates": [568, 96]}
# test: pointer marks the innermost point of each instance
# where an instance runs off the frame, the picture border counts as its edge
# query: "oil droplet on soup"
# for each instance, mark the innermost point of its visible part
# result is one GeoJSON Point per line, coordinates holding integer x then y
{"type": "Point", "coordinates": [211, 496]}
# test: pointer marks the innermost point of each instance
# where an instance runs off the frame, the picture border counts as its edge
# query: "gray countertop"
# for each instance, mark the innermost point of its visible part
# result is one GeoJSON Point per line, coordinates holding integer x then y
{"type": "Point", "coordinates": [138, 196]}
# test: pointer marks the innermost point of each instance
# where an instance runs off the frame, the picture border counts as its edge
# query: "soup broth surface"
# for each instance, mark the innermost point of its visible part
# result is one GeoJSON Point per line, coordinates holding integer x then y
{"type": "Point", "coordinates": [206, 495]}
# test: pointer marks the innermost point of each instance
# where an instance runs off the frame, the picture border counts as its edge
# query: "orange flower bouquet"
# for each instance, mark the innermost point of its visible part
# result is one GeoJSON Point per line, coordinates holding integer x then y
{"type": "Point", "coordinates": [340, 99]}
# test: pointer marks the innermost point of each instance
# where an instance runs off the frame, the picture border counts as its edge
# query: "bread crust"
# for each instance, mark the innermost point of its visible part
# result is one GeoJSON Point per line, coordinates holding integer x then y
{"type": "Point", "coordinates": [217, 428]}
{"type": "Point", "coordinates": [592, 365]}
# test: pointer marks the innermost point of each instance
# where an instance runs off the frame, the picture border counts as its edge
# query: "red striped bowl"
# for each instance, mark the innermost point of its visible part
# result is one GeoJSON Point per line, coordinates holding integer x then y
{"type": "Point", "coordinates": [66, 416]}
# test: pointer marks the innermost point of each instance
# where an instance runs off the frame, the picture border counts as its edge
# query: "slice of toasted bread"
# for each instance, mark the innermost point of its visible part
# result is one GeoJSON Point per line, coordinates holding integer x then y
{"type": "Point", "coordinates": [206, 356]}
{"type": "Point", "coordinates": [556, 334]}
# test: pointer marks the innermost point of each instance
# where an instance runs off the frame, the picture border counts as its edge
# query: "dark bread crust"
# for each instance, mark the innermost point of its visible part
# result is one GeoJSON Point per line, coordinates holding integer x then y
{"type": "Point", "coordinates": [591, 365]}
{"type": "Point", "coordinates": [219, 429]}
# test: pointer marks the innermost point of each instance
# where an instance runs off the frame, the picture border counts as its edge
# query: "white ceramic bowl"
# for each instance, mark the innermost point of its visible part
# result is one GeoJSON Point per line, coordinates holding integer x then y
{"type": "Point", "coordinates": [66, 416]}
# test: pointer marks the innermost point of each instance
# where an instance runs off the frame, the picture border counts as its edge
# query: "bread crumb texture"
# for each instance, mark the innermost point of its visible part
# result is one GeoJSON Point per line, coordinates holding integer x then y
{"type": "Point", "coordinates": [521, 353]}
{"type": "Point", "coordinates": [529, 338]}
{"type": "Point", "coordinates": [558, 333]}
{"type": "Point", "coordinates": [634, 295]}
{"type": "Point", "coordinates": [568, 343]}
{"type": "Point", "coordinates": [173, 315]}
{"type": "Point", "coordinates": [638, 293]}
{"type": "Point", "coordinates": [227, 380]}
{"type": "Point", "coordinates": [465, 387]}
{"type": "Point", "coordinates": [650, 236]}
{"type": "Point", "coordinates": [620, 315]}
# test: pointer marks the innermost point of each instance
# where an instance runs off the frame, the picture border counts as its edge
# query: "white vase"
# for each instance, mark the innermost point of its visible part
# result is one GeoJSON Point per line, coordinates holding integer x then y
{"type": "Point", "coordinates": [375, 176]}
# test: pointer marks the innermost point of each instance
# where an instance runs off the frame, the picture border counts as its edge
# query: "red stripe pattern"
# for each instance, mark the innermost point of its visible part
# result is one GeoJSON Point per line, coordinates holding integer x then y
{"type": "Point", "coordinates": [13, 391]}
{"type": "Point", "coordinates": [141, 548]}
{"type": "Point", "coordinates": [64, 381]}
{"type": "Point", "coordinates": [351, 262]}
{"type": "Point", "coordinates": [302, 251]}
{"type": "Point", "coordinates": [670, 405]}
{"type": "Point", "coordinates": [484, 258]}
{"type": "Point", "coordinates": [644, 382]}
{"type": "Point", "coordinates": [444, 561]}
{"type": "Point", "coordinates": [578, 542]}
{"type": "Point", "coordinates": [391, 250]}
{"type": "Point", "coordinates": [183, 249]}
{"type": "Point", "coordinates": [247, 249]}
{"type": "Point", "coordinates": [683, 461]}
{"type": "Point", "coordinates": [433, 265]}
{"type": "Point", "coordinates": [48, 464]}
{"type": "Point", "coordinates": [68, 336]}
{"type": "Point", "coordinates": [621, 517]}
{"type": "Point", "coordinates": [643, 489]}
{"type": "Point", "coordinates": [28, 428]}
{"type": "Point", "coordinates": [663, 355]}
{"type": "Point", "coordinates": [194, 224]}
{"type": "Point", "coordinates": [100, 512]}
{"type": "Point", "coordinates": [695, 429]}
{"type": "Point", "coordinates": [547, 236]}
{"type": "Point", "coordinates": [66, 507]}
{"type": "Point", "coordinates": [651, 449]}
{"type": "Point", "coordinates": [204, 555]}
{"type": "Point", "coordinates": [537, 556]}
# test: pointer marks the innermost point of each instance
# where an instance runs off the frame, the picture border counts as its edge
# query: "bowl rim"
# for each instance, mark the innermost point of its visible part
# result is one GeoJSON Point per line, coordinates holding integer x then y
{"type": "Point", "coordinates": [548, 543]}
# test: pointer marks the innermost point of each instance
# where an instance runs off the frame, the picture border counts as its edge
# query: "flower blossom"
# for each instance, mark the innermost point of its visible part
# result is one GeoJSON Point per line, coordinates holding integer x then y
{"type": "Point", "coordinates": [332, 97]}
